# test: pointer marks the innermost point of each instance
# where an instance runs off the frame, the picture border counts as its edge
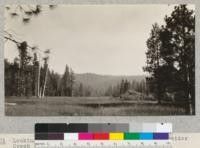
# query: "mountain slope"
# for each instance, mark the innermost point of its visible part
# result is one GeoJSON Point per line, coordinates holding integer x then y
{"type": "Point", "coordinates": [101, 83]}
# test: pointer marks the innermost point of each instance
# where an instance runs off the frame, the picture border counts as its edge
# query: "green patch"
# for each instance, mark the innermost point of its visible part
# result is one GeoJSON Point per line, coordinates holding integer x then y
{"type": "Point", "coordinates": [131, 136]}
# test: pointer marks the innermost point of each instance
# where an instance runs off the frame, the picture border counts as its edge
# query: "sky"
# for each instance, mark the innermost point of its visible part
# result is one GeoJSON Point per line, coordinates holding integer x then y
{"type": "Point", "coordinates": [101, 39]}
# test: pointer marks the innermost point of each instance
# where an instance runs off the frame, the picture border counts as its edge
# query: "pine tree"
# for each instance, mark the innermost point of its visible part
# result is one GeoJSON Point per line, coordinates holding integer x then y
{"type": "Point", "coordinates": [46, 70]}
{"type": "Point", "coordinates": [126, 86]}
{"type": "Point", "coordinates": [65, 82]}
{"type": "Point", "coordinates": [170, 57]}
{"type": "Point", "coordinates": [80, 90]}
{"type": "Point", "coordinates": [122, 87]}
{"type": "Point", "coordinates": [71, 82]}
{"type": "Point", "coordinates": [178, 37]}
{"type": "Point", "coordinates": [36, 75]}
{"type": "Point", "coordinates": [154, 62]}
{"type": "Point", "coordinates": [24, 70]}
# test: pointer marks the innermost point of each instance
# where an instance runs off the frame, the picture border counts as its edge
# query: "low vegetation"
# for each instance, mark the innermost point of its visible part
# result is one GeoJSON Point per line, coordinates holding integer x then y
{"type": "Point", "coordinates": [88, 106]}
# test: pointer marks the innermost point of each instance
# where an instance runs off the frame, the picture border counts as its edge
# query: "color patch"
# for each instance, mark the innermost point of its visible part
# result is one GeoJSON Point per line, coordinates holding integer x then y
{"type": "Point", "coordinates": [101, 136]}
{"type": "Point", "coordinates": [71, 136]}
{"type": "Point", "coordinates": [131, 136]}
{"type": "Point", "coordinates": [41, 136]}
{"type": "Point", "coordinates": [148, 127]}
{"type": "Point", "coordinates": [160, 136]}
{"type": "Point", "coordinates": [146, 136]}
{"type": "Point", "coordinates": [163, 128]}
{"type": "Point", "coordinates": [85, 136]}
{"type": "Point", "coordinates": [55, 136]}
{"type": "Point", "coordinates": [116, 136]}
{"type": "Point", "coordinates": [57, 128]}
{"type": "Point", "coordinates": [41, 128]}
{"type": "Point", "coordinates": [77, 128]}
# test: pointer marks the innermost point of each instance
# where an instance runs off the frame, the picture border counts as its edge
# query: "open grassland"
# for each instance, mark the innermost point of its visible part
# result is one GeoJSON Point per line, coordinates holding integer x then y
{"type": "Point", "coordinates": [87, 106]}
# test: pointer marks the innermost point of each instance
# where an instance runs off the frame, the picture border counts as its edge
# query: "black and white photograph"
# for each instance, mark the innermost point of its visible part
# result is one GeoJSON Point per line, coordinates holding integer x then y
{"type": "Point", "coordinates": [99, 60]}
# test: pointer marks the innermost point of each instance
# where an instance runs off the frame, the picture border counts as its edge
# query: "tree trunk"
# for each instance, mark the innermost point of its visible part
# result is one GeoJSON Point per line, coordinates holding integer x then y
{"type": "Point", "coordinates": [45, 81]}
{"type": "Point", "coordinates": [38, 82]}
{"type": "Point", "coordinates": [40, 92]}
{"type": "Point", "coordinates": [188, 91]}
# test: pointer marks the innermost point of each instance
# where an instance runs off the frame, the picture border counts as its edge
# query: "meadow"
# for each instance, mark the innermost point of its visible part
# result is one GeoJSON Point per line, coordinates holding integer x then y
{"type": "Point", "coordinates": [87, 106]}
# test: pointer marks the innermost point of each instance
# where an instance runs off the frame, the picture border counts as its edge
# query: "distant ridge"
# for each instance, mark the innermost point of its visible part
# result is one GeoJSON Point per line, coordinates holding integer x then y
{"type": "Point", "coordinates": [100, 82]}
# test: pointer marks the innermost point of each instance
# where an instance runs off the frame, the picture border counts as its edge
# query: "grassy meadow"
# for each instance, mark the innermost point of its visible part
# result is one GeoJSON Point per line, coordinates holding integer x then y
{"type": "Point", "coordinates": [87, 106]}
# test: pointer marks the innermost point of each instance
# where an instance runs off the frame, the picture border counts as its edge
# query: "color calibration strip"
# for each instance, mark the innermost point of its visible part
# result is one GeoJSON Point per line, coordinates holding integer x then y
{"type": "Point", "coordinates": [98, 132]}
{"type": "Point", "coordinates": [102, 136]}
